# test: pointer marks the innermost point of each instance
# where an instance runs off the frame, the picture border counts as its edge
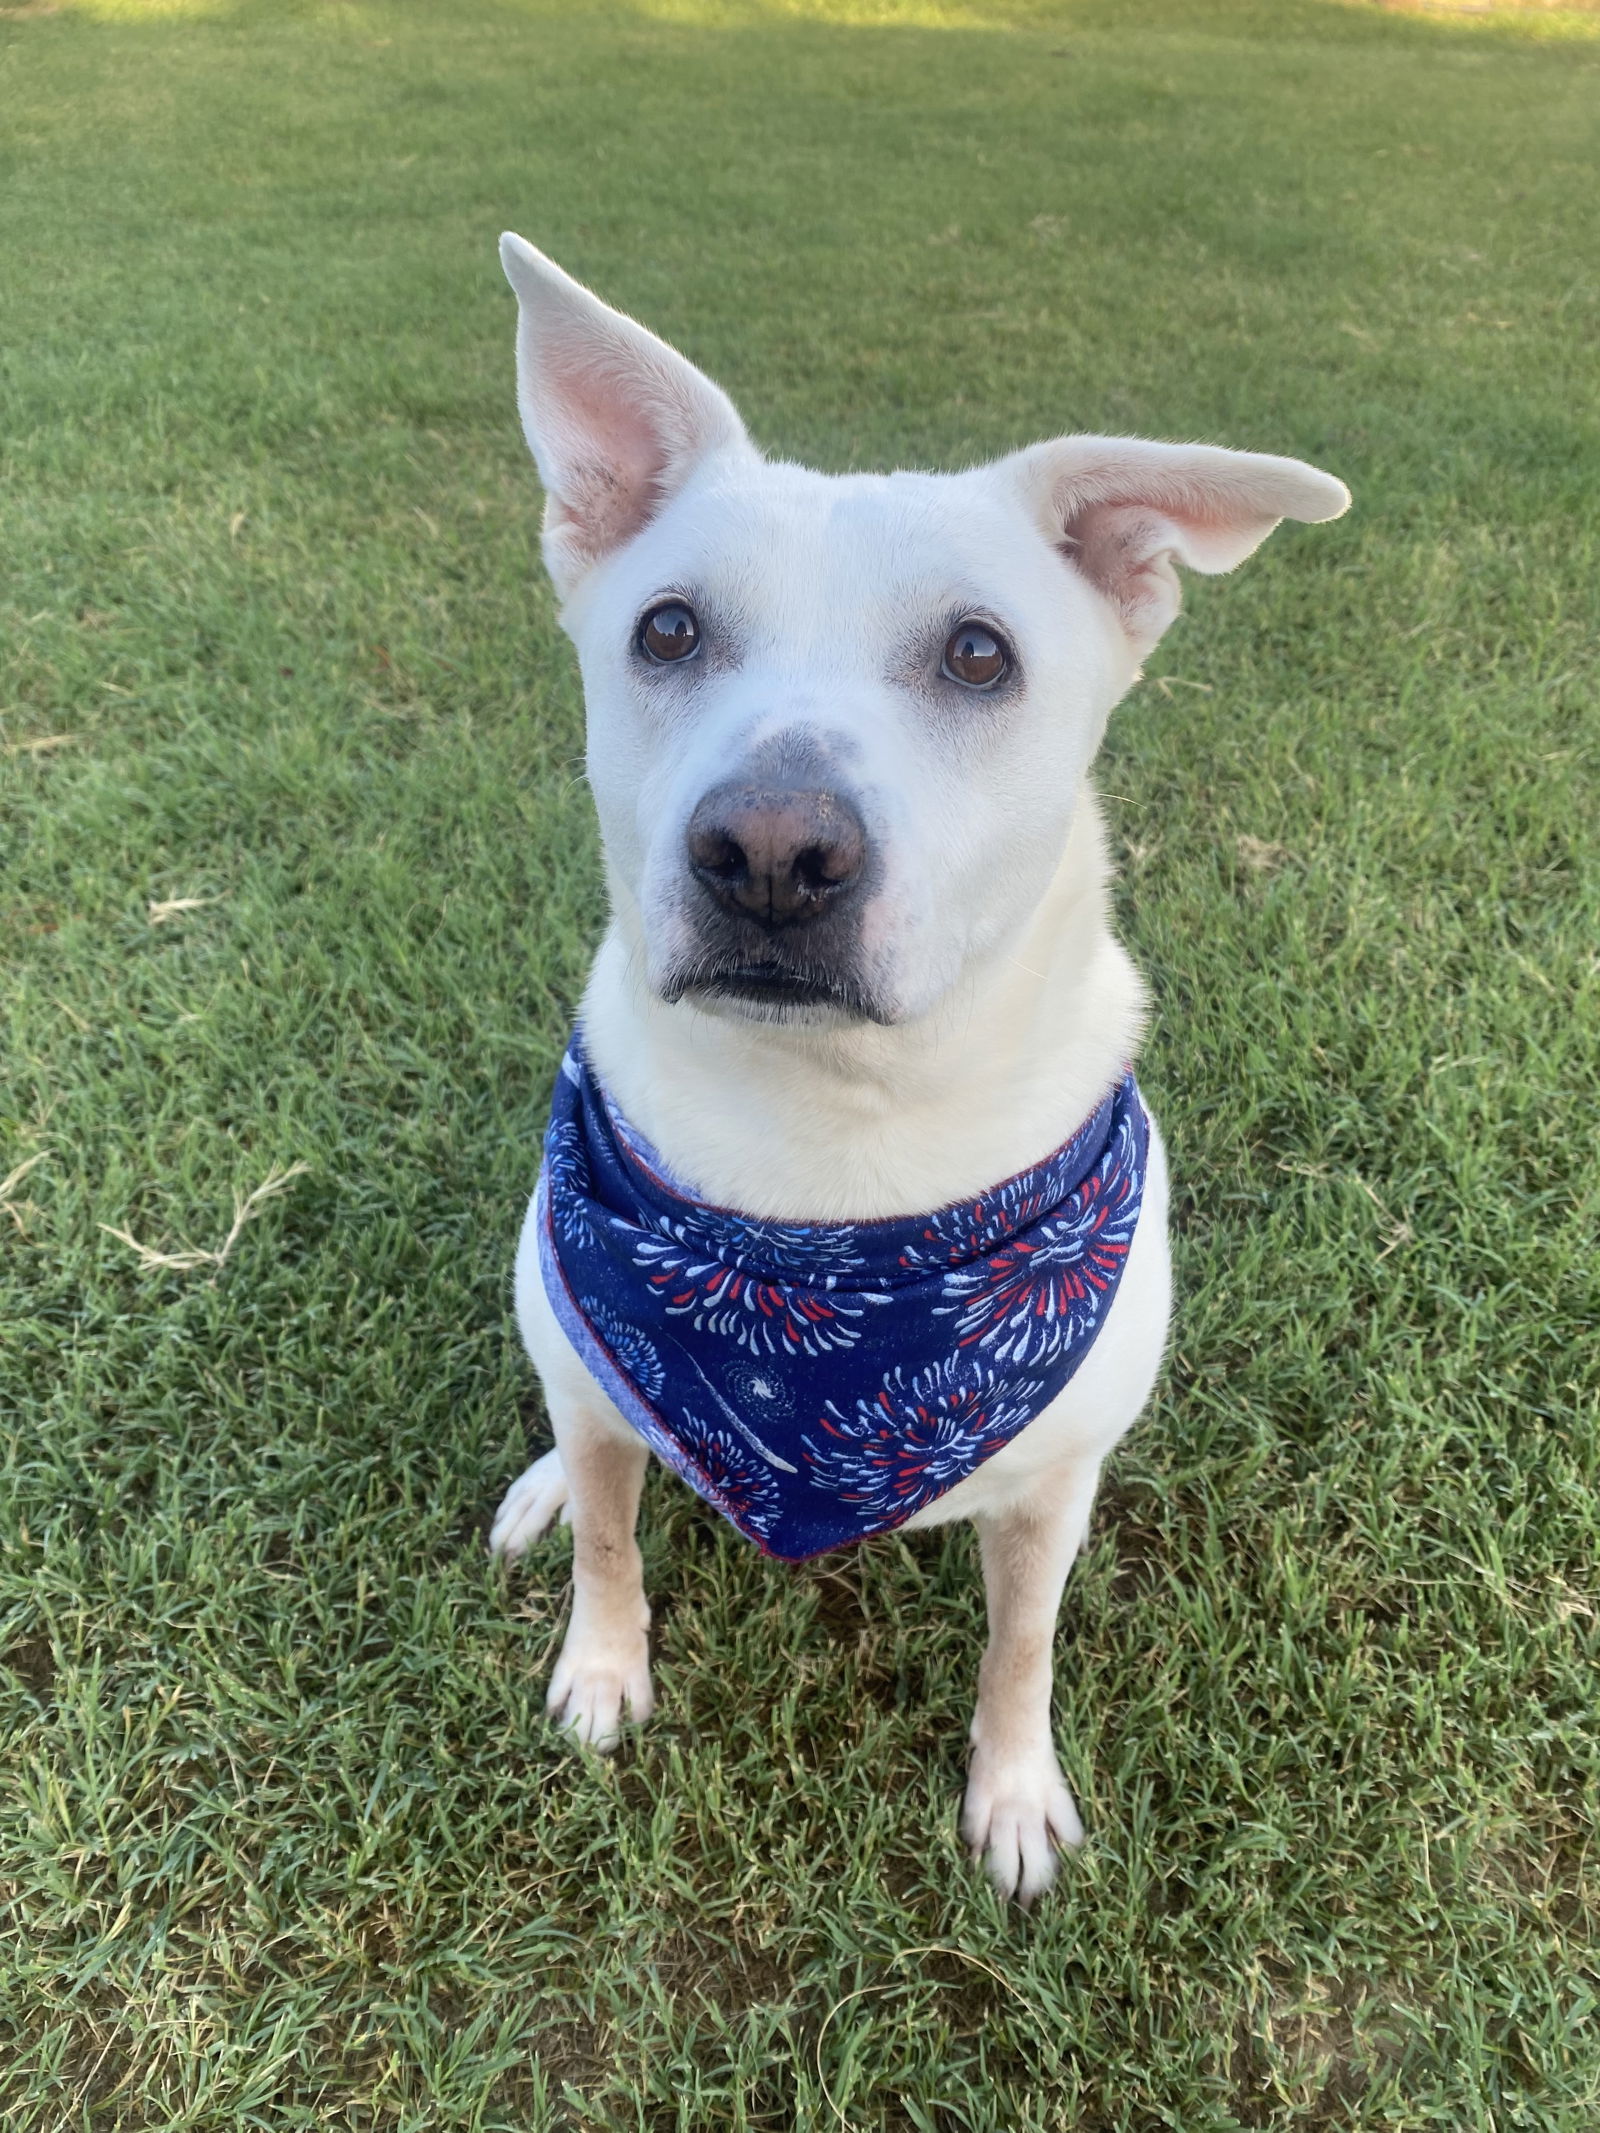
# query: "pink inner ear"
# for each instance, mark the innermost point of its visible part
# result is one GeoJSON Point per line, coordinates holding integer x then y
{"type": "Point", "coordinates": [1127, 511]}
{"type": "Point", "coordinates": [1114, 535]}
{"type": "Point", "coordinates": [616, 454]}
{"type": "Point", "coordinates": [1124, 549]}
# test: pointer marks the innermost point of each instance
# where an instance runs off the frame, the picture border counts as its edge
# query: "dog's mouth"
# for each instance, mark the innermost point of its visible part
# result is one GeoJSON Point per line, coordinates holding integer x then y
{"type": "Point", "coordinates": [774, 992]}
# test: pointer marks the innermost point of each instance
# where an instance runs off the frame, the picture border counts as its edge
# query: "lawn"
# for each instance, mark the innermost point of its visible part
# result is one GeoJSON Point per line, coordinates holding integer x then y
{"type": "Point", "coordinates": [297, 883]}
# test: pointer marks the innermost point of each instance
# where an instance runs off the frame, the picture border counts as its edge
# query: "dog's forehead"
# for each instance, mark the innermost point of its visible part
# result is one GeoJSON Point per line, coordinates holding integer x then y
{"type": "Point", "coordinates": [780, 543]}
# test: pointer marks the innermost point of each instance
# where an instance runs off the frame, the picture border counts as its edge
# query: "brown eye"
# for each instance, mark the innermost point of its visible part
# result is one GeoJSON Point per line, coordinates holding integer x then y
{"type": "Point", "coordinates": [669, 632]}
{"type": "Point", "coordinates": [974, 656]}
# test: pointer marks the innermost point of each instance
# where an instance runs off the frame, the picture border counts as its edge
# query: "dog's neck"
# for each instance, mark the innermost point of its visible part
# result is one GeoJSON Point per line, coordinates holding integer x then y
{"type": "Point", "coordinates": [864, 1122]}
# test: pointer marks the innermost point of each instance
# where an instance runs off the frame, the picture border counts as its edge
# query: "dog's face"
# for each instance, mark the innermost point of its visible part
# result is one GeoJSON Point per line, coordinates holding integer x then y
{"type": "Point", "coordinates": [836, 729]}
{"type": "Point", "coordinates": [838, 726]}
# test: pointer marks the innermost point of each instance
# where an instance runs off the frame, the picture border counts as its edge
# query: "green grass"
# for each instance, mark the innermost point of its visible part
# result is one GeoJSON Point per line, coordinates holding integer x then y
{"type": "Point", "coordinates": [284, 1841]}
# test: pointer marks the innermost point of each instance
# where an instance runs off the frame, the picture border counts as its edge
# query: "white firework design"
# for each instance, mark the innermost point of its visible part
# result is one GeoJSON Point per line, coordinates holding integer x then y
{"type": "Point", "coordinates": [760, 1389]}
{"type": "Point", "coordinates": [567, 1170]}
{"type": "Point", "coordinates": [788, 1254]}
{"type": "Point", "coordinates": [633, 1354]}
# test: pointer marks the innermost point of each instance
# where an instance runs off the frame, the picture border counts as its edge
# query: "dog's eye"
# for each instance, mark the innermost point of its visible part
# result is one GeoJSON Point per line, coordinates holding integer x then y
{"type": "Point", "coordinates": [974, 656]}
{"type": "Point", "coordinates": [669, 632]}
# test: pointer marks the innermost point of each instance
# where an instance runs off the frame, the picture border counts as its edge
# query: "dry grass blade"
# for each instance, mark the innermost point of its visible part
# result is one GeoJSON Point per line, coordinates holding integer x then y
{"type": "Point", "coordinates": [43, 744]}
{"type": "Point", "coordinates": [244, 1209]}
{"type": "Point", "coordinates": [162, 911]}
{"type": "Point", "coordinates": [9, 1184]}
{"type": "Point", "coordinates": [1396, 1229]}
{"type": "Point", "coordinates": [150, 1259]}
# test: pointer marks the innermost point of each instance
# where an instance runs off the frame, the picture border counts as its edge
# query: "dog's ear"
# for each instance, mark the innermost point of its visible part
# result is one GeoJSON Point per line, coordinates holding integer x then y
{"type": "Point", "coordinates": [615, 419]}
{"type": "Point", "coordinates": [1123, 511]}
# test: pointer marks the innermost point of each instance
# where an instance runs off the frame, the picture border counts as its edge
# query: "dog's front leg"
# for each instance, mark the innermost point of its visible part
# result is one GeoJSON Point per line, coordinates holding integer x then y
{"type": "Point", "coordinates": [1018, 1810]}
{"type": "Point", "coordinates": [603, 1673]}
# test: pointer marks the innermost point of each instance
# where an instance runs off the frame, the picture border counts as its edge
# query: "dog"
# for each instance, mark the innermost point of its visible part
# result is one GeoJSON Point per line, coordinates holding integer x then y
{"type": "Point", "coordinates": [858, 965]}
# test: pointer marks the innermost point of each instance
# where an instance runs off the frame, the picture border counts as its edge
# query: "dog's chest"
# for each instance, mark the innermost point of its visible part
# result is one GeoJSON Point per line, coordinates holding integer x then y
{"type": "Point", "coordinates": [819, 1383]}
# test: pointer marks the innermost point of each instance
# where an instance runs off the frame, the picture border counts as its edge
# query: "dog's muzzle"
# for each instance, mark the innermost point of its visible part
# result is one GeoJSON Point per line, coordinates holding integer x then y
{"type": "Point", "coordinates": [780, 874]}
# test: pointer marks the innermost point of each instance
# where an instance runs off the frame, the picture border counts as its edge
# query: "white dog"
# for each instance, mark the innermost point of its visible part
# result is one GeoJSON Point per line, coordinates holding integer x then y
{"type": "Point", "coordinates": [858, 965]}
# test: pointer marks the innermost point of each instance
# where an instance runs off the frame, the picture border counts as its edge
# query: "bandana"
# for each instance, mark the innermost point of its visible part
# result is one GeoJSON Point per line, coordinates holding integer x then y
{"type": "Point", "coordinates": [820, 1382]}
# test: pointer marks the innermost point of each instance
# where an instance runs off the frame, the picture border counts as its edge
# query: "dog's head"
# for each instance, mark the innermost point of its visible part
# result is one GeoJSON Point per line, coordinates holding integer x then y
{"type": "Point", "coordinates": [838, 725]}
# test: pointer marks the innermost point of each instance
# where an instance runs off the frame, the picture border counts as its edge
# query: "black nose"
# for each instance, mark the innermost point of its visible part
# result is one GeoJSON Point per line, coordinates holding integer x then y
{"type": "Point", "coordinates": [775, 855]}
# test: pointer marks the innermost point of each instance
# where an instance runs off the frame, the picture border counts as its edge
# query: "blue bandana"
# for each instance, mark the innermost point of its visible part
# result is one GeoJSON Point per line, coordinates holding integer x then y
{"type": "Point", "coordinates": [819, 1382]}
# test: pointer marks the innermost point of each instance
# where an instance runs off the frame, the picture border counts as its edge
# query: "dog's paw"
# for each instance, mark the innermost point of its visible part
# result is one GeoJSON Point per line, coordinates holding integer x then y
{"type": "Point", "coordinates": [529, 1507]}
{"type": "Point", "coordinates": [1018, 1816]}
{"type": "Point", "coordinates": [599, 1682]}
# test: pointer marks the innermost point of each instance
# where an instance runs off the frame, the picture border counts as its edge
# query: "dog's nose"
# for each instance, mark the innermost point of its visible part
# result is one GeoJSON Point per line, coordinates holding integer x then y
{"type": "Point", "coordinates": [775, 855]}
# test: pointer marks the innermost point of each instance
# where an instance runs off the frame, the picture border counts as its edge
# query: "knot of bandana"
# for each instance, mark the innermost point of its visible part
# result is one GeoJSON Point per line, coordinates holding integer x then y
{"type": "Point", "coordinates": [820, 1382]}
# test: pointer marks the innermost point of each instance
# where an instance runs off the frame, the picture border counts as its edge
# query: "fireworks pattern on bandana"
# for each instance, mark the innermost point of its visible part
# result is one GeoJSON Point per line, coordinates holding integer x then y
{"type": "Point", "coordinates": [822, 1258]}
{"type": "Point", "coordinates": [735, 1478]}
{"type": "Point", "coordinates": [956, 1236]}
{"type": "Point", "coordinates": [723, 1300]}
{"type": "Point", "coordinates": [819, 1383]}
{"type": "Point", "coordinates": [1046, 1288]}
{"type": "Point", "coordinates": [634, 1355]}
{"type": "Point", "coordinates": [759, 1390]}
{"type": "Point", "coordinates": [567, 1175]}
{"type": "Point", "coordinates": [919, 1434]}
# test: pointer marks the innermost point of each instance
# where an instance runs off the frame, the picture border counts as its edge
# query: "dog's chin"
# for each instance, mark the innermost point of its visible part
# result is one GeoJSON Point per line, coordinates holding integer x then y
{"type": "Point", "coordinates": [772, 994]}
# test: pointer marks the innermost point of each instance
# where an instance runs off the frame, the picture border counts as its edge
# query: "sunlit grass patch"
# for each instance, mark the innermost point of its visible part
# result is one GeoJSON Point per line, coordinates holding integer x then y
{"type": "Point", "coordinates": [841, 14]}
{"type": "Point", "coordinates": [1546, 21]}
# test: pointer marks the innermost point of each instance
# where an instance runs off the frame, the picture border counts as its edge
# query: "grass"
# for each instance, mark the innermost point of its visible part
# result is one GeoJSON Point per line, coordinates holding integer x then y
{"type": "Point", "coordinates": [296, 868]}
